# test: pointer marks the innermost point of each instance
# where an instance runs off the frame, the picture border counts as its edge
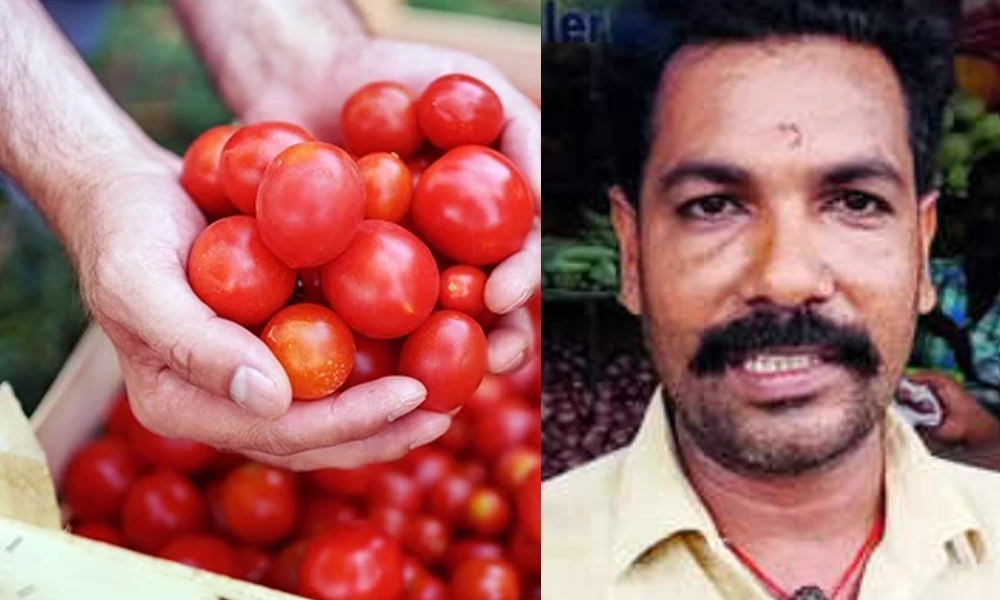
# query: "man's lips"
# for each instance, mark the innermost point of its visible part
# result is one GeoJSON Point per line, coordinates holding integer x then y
{"type": "Point", "coordinates": [778, 375]}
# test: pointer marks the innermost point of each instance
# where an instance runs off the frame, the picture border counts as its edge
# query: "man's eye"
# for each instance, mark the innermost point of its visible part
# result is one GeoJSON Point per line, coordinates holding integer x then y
{"type": "Point", "coordinates": [860, 204]}
{"type": "Point", "coordinates": [709, 207]}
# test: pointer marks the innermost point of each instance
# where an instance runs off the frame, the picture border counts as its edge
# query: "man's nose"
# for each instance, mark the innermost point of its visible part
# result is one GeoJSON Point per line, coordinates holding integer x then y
{"type": "Point", "coordinates": [786, 268]}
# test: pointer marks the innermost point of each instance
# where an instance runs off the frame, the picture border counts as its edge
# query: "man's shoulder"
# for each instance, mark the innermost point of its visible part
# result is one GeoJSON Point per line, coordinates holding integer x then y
{"type": "Point", "coordinates": [979, 487]}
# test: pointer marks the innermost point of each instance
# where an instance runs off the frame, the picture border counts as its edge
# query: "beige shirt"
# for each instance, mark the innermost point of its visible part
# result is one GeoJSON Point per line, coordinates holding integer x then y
{"type": "Point", "coordinates": [630, 526]}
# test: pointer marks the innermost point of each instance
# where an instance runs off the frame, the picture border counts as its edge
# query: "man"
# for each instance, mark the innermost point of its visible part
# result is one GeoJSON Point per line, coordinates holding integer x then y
{"type": "Point", "coordinates": [113, 198]}
{"type": "Point", "coordinates": [778, 256]}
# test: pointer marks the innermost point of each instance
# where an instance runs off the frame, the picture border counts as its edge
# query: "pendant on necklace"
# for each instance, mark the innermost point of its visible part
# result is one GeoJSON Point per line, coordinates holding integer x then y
{"type": "Point", "coordinates": [809, 592]}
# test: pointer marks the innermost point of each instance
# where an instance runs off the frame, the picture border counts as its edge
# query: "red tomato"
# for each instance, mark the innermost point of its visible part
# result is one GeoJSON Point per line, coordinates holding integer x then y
{"type": "Point", "coordinates": [381, 117]}
{"type": "Point", "coordinates": [98, 478]}
{"type": "Point", "coordinates": [102, 532]}
{"type": "Point", "coordinates": [394, 488]}
{"type": "Point", "coordinates": [213, 500]}
{"type": "Point", "coordinates": [525, 552]}
{"type": "Point", "coordinates": [413, 570]}
{"type": "Point", "coordinates": [458, 438]}
{"type": "Point", "coordinates": [514, 466]}
{"type": "Point", "coordinates": [427, 537]}
{"type": "Point", "coordinates": [390, 520]}
{"type": "Point", "coordinates": [350, 483]}
{"type": "Point", "coordinates": [388, 186]}
{"type": "Point", "coordinates": [251, 564]}
{"type": "Point", "coordinates": [284, 572]}
{"type": "Point", "coordinates": [247, 154]}
{"type": "Point", "coordinates": [200, 172]}
{"type": "Point", "coordinates": [428, 465]}
{"type": "Point", "coordinates": [385, 284]}
{"type": "Point", "coordinates": [529, 504]}
{"type": "Point", "coordinates": [458, 109]}
{"type": "Point", "coordinates": [448, 355]}
{"type": "Point", "coordinates": [467, 549]}
{"type": "Point", "coordinates": [474, 470]}
{"type": "Point", "coordinates": [485, 579]}
{"type": "Point", "coordinates": [312, 285]}
{"type": "Point", "coordinates": [120, 418]}
{"type": "Point", "coordinates": [473, 206]}
{"type": "Point", "coordinates": [202, 552]}
{"type": "Point", "coordinates": [373, 359]}
{"type": "Point", "coordinates": [509, 424]}
{"type": "Point", "coordinates": [234, 273]}
{"type": "Point", "coordinates": [259, 504]}
{"type": "Point", "coordinates": [462, 288]}
{"type": "Point", "coordinates": [428, 588]}
{"type": "Point", "coordinates": [310, 203]}
{"type": "Point", "coordinates": [159, 507]}
{"type": "Point", "coordinates": [447, 498]}
{"type": "Point", "coordinates": [419, 163]}
{"type": "Point", "coordinates": [356, 563]}
{"type": "Point", "coordinates": [487, 512]}
{"type": "Point", "coordinates": [527, 380]}
{"type": "Point", "coordinates": [493, 390]}
{"type": "Point", "coordinates": [322, 514]}
{"type": "Point", "coordinates": [186, 456]}
{"type": "Point", "coordinates": [314, 346]}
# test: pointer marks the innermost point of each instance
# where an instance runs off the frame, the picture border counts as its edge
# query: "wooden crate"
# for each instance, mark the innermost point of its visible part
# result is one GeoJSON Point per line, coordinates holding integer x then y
{"type": "Point", "coordinates": [38, 559]}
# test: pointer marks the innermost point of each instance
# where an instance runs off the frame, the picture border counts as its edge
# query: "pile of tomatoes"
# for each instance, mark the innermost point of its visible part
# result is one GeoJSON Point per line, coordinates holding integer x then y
{"type": "Point", "coordinates": [457, 519]}
{"type": "Point", "coordinates": [368, 260]}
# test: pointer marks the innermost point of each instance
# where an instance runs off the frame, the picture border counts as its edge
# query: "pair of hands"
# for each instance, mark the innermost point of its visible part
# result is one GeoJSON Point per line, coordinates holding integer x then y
{"type": "Point", "coordinates": [966, 426]}
{"type": "Point", "coordinates": [191, 374]}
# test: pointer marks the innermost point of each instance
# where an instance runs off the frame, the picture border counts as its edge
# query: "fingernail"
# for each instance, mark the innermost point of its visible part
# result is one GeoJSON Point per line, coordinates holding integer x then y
{"type": "Point", "coordinates": [513, 363]}
{"type": "Point", "coordinates": [525, 295]}
{"type": "Point", "coordinates": [431, 431]}
{"type": "Point", "coordinates": [407, 403]}
{"type": "Point", "coordinates": [252, 390]}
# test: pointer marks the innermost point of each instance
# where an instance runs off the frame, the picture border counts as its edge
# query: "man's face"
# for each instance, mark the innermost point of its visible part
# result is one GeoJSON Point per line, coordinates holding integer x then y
{"type": "Point", "coordinates": [781, 249]}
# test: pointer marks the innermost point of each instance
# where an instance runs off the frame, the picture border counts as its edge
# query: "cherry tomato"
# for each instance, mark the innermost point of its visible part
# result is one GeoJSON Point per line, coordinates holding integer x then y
{"type": "Point", "coordinates": [350, 483]}
{"type": "Point", "coordinates": [310, 203]}
{"type": "Point", "coordinates": [419, 163]}
{"type": "Point", "coordinates": [529, 504]}
{"type": "Point", "coordinates": [247, 154]}
{"type": "Point", "coordinates": [234, 273]}
{"type": "Point", "coordinates": [102, 532]}
{"type": "Point", "coordinates": [428, 465]}
{"type": "Point", "coordinates": [473, 206]}
{"type": "Point", "coordinates": [448, 355]}
{"type": "Point", "coordinates": [527, 380]}
{"type": "Point", "coordinates": [514, 466]}
{"type": "Point", "coordinates": [373, 359]}
{"type": "Point", "coordinates": [485, 579]}
{"type": "Point", "coordinates": [159, 507]}
{"type": "Point", "coordinates": [466, 549]}
{"type": "Point", "coordinates": [493, 390]}
{"type": "Point", "coordinates": [284, 572]}
{"type": "Point", "coordinates": [312, 285]}
{"type": "Point", "coordinates": [428, 588]}
{"type": "Point", "coordinates": [413, 570]}
{"type": "Point", "coordinates": [462, 288]}
{"type": "Point", "coordinates": [186, 456]}
{"type": "Point", "coordinates": [98, 478]}
{"type": "Point", "coordinates": [457, 109]}
{"type": "Point", "coordinates": [509, 424]}
{"type": "Point", "coordinates": [458, 438]}
{"type": "Point", "coordinates": [525, 552]}
{"type": "Point", "coordinates": [474, 470]}
{"type": "Point", "coordinates": [321, 514]}
{"type": "Point", "coordinates": [120, 418]}
{"type": "Point", "coordinates": [385, 284]}
{"type": "Point", "coordinates": [388, 186]}
{"type": "Point", "coordinates": [427, 537]}
{"type": "Point", "coordinates": [394, 488]}
{"type": "Point", "coordinates": [487, 511]}
{"type": "Point", "coordinates": [200, 172]}
{"type": "Point", "coordinates": [356, 562]}
{"type": "Point", "coordinates": [390, 520]}
{"type": "Point", "coordinates": [202, 552]}
{"type": "Point", "coordinates": [381, 117]}
{"type": "Point", "coordinates": [259, 504]}
{"type": "Point", "coordinates": [447, 498]}
{"type": "Point", "coordinates": [251, 564]}
{"type": "Point", "coordinates": [213, 500]}
{"type": "Point", "coordinates": [314, 346]}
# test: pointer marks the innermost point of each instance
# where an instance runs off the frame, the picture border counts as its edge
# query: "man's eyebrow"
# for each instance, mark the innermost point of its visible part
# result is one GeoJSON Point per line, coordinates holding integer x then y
{"type": "Point", "coordinates": [861, 169]}
{"type": "Point", "coordinates": [721, 173]}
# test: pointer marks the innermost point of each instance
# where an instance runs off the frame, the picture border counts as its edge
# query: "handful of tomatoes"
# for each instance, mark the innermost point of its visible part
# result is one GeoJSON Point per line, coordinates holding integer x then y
{"type": "Point", "coordinates": [371, 260]}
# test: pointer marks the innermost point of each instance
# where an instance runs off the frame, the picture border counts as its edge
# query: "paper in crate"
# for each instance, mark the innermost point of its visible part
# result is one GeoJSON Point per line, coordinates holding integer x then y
{"type": "Point", "coordinates": [38, 559]}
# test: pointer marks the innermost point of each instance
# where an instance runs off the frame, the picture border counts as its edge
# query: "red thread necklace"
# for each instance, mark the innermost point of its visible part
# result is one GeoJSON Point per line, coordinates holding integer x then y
{"type": "Point", "coordinates": [813, 592]}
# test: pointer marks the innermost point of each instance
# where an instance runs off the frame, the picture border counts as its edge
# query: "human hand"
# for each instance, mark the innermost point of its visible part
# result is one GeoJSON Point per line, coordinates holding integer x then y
{"type": "Point", "coordinates": [965, 422]}
{"type": "Point", "coordinates": [194, 375]}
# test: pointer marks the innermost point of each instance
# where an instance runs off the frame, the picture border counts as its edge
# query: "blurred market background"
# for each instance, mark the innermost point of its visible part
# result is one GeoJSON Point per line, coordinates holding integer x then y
{"type": "Point", "coordinates": [141, 55]}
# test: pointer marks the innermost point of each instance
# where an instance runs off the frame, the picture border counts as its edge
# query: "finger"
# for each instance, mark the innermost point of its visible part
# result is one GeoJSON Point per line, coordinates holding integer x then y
{"type": "Point", "coordinates": [522, 143]}
{"type": "Point", "coordinates": [510, 342]}
{"type": "Point", "coordinates": [395, 441]}
{"type": "Point", "coordinates": [516, 279]}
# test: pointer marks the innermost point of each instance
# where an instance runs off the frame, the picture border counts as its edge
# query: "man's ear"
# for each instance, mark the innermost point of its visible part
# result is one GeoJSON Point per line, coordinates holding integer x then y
{"type": "Point", "coordinates": [927, 227]}
{"type": "Point", "coordinates": [625, 221]}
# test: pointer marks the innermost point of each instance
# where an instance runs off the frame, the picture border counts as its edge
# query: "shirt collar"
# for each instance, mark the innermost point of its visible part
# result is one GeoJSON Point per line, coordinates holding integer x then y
{"type": "Point", "coordinates": [927, 519]}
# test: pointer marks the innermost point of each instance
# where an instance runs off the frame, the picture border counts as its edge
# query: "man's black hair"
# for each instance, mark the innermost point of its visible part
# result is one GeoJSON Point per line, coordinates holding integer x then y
{"type": "Point", "coordinates": [916, 36]}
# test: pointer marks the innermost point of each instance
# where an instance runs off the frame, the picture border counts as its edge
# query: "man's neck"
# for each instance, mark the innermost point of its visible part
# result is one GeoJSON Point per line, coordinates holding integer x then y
{"type": "Point", "coordinates": [799, 529]}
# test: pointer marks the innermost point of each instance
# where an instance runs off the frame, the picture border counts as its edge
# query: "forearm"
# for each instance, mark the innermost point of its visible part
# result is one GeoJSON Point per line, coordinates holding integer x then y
{"type": "Point", "coordinates": [266, 43]}
{"type": "Point", "coordinates": [58, 128]}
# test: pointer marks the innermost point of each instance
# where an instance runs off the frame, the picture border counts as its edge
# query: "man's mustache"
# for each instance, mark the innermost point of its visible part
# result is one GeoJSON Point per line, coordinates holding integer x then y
{"type": "Point", "coordinates": [729, 345]}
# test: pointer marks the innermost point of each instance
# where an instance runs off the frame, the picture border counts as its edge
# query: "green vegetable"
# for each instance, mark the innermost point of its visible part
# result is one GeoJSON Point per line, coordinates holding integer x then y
{"type": "Point", "coordinates": [955, 149]}
{"type": "Point", "coordinates": [605, 273]}
{"type": "Point", "coordinates": [958, 178]}
{"type": "Point", "coordinates": [586, 253]}
{"type": "Point", "coordinates": [968, 108]}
